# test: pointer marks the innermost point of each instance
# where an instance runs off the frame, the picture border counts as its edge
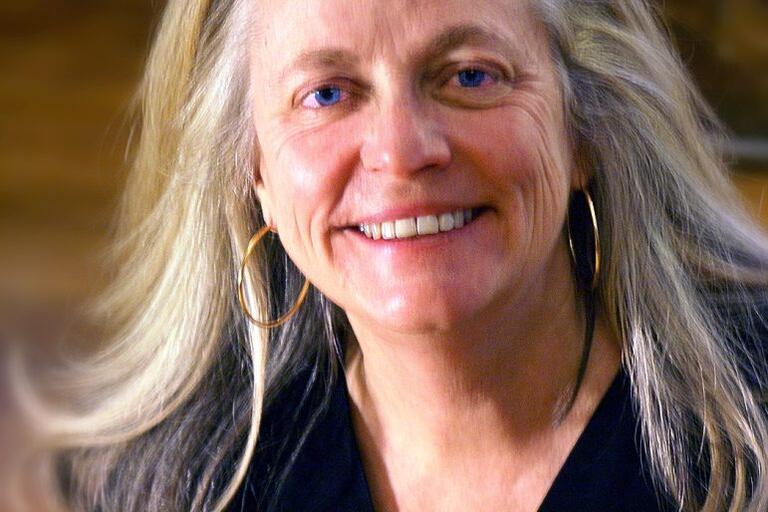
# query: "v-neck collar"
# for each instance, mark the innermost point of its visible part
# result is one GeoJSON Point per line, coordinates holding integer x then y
{"type": "Point", "coordinates": [604, 471]}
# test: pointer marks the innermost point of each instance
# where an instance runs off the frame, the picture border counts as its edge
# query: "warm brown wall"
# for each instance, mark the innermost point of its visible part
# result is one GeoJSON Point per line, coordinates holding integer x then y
{"type": "Point", "coordinates": [68, 73]}
{"type": "Point", "coordinates": [725, 43]}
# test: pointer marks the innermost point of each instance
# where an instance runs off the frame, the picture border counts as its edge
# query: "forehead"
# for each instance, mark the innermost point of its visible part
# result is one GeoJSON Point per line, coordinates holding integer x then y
{"type": "Point", "coordinates": [283, 29]}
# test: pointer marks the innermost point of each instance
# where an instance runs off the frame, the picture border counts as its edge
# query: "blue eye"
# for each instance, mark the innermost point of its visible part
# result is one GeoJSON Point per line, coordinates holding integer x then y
{"type": "Point", "coordinates": [324, 97]}
{"type": "Point", "coordinates": [472, 77]}
{"type": "Point", "coordinates": [328, 96]}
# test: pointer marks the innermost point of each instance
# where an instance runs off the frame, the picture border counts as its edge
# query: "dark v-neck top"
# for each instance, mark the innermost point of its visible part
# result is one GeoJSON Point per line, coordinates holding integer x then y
{"type": "Point", "coordinates": [605, 471]}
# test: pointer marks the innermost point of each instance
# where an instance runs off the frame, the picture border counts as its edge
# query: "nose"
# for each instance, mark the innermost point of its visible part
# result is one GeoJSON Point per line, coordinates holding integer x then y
{"type": "Point", "coordinates": [402, 138]}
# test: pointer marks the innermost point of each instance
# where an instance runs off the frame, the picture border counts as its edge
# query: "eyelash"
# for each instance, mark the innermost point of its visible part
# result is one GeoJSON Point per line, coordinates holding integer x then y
{"type": "Point", "coordinates": [342, 92]}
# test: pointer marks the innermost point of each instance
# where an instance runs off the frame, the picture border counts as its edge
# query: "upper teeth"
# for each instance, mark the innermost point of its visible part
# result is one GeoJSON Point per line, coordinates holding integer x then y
{"type": "Point", "coordinates": [415, 226]}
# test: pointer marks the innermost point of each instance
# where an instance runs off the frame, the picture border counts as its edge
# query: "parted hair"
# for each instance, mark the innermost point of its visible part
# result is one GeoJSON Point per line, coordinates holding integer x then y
{"type": "Point", "coordinates": [168, 410]}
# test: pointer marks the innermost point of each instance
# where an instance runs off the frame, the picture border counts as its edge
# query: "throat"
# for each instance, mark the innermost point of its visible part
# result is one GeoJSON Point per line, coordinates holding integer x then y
{"type": "Point", "coordinates": [443, 424]}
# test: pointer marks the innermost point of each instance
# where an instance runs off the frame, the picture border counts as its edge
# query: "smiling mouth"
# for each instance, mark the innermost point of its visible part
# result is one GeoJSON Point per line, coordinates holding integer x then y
{"type": "Point", "coordinates": [423, 225]}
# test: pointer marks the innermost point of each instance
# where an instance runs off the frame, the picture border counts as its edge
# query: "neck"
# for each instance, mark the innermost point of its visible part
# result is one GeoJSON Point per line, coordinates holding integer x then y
{"type": "Point", "coordinates": [493, 384]}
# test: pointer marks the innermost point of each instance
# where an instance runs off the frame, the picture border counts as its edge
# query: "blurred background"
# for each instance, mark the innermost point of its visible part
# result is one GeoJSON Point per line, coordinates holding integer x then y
{"type": "Point", "coordinates": [69, 70]}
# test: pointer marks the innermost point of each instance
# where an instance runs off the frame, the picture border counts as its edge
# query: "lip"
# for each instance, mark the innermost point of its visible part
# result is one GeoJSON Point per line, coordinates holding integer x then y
{"type": "Point", "coordinates": [392, 214]}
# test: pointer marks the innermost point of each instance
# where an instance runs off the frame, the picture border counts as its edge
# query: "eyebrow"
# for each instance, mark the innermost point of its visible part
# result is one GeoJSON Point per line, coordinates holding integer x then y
{"type": "Point", "coordinates": [318, 58]}
{"type": "Point", "coordinates": [458, 35]}
{"type": "Point", "coordinates": [453, 37]}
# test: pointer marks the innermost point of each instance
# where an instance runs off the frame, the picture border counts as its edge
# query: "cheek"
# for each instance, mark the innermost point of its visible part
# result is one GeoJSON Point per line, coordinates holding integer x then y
{"type": "Point", "coordinates": [523, 153]}
{"type": "Point", "coordinates": [305, 173]}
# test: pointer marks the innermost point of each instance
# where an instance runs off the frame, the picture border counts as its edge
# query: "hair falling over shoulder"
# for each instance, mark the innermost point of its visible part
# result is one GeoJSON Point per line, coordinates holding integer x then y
{"type": "Point", "coordinates": [168, 411]}
{"type": "Point", "coordinates": [686, 278]}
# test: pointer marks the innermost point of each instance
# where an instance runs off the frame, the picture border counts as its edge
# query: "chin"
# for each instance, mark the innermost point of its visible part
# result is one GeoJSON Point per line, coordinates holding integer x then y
{"type": "Point", "coordinates": [425, 314]}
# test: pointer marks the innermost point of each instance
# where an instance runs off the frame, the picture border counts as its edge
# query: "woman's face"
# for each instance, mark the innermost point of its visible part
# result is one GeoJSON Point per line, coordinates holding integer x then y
{"type": "Point", "coordinates": [405, 116]}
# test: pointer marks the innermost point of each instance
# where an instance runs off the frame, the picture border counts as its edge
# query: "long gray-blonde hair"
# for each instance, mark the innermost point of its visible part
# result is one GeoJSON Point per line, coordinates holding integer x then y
{"type": "Point", "coordinates": [168, 413]}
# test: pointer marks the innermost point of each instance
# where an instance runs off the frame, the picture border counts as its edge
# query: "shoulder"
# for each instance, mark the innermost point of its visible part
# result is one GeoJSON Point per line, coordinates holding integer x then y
{"type": "Point", "coordinates": [306, 457]}
{"type": "Point", "coordinates": [285, 417]}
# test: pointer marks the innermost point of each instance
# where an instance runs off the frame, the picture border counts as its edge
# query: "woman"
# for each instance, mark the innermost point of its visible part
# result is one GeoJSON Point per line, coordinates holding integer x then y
{"type": "Point", "coordinates": [522, 247]}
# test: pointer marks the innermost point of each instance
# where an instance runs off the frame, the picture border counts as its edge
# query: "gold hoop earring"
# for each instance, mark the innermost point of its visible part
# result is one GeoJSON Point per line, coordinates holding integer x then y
{"type": "Point", "coordinates": [252, 243]}
{"type": "Point", "coordinates": [592, 272]}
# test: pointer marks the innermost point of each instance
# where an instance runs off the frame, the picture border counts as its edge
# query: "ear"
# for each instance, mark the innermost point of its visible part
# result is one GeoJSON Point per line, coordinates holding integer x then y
{"type": "Point", "coordinates": [264, 202]}
{"type": "Point", "coordinates": [262, 194]}
{"type": "Point", "coordinates": [583, 167]}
